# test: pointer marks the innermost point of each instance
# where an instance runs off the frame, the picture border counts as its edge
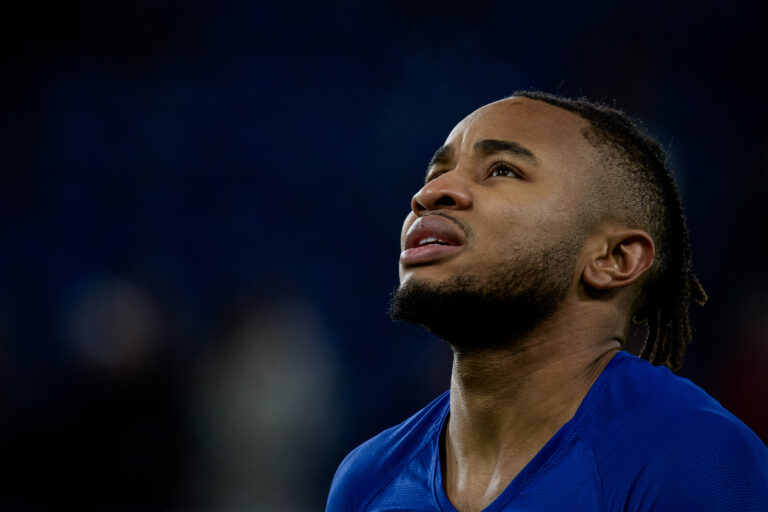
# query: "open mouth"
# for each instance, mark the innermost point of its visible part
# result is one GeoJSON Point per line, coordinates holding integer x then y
{"type": "Point", "coordinates": [429, 239]}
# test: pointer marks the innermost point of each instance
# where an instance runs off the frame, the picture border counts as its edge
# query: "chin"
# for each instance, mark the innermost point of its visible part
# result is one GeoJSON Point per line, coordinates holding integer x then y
{"type": "Point", "coordinates": [478, 313]}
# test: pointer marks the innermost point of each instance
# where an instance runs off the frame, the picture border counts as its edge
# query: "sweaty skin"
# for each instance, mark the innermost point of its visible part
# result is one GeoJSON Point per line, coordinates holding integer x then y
{"type": "Point", "coordinates": [506, 404]}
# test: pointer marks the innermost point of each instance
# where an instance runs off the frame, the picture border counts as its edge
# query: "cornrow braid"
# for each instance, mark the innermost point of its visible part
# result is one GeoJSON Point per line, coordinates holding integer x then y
{"type": "Point", "coordinates": [645, 193]}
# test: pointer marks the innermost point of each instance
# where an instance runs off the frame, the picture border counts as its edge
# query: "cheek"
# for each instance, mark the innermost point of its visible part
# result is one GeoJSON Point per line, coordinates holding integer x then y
{"type": "Point", "coordinates": [552, 212]}
{"type": "Point", "coordinates": [521, 229]}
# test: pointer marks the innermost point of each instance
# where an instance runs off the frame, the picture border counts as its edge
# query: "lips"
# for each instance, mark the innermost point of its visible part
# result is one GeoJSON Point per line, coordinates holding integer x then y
{"type": "Point", "coordinates": [429, 239]}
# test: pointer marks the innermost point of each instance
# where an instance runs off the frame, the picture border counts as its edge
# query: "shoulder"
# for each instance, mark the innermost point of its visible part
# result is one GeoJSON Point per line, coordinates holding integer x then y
{"type": "Point", "coordinates": [661, 442]}
{"type": "Point", "coordinates": [370, 466]}
{"type": "Point", "coordinates": [705, 460]}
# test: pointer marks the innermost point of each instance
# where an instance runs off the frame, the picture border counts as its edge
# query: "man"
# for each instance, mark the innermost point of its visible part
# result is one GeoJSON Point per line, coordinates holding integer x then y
{"type": "Point", "coordinates": [545, 230]}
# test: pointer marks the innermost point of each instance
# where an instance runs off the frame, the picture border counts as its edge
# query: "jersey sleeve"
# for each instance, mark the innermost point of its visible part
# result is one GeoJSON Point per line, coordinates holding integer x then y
{"type": "Point", "coordinates": [711, 462]}
{"type": "Point", "coordinates": [348, 486]}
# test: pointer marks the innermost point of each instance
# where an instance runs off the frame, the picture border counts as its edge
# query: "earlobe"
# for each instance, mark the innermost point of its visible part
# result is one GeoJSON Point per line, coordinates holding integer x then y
{"type": "Point", "coordinates": [624, 257]}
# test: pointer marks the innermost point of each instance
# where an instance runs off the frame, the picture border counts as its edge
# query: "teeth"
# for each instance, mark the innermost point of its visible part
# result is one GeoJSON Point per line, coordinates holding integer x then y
{"type": "Point", "coordinates": [431, 240]}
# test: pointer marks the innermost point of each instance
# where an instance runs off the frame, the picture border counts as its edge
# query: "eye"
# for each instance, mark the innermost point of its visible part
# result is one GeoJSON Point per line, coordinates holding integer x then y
{"type": "Point", "coordinates": [504, 169]}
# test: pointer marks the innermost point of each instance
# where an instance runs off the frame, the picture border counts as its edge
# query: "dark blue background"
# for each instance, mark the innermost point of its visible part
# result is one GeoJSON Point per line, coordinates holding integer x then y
{"type": "Point", "coordinates": [217, 163]}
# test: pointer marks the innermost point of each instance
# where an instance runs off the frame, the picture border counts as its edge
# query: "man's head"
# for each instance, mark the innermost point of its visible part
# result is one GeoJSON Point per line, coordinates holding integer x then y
{"type": "Point", "coordinates": [535, 199]}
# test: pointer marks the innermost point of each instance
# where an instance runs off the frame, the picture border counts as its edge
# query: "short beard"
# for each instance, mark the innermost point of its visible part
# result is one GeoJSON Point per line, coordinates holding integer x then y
{"type": "Point", "coordinates": [475, 314]}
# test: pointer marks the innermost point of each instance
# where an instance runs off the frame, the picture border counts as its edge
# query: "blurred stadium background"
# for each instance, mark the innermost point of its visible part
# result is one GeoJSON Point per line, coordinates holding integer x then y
{"type": "Point", "coordinates": [201, 205]}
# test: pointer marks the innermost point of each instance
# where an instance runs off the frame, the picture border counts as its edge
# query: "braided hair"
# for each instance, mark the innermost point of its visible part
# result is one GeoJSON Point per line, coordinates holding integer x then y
{"type": "Point", "coordinates": [644, 195]}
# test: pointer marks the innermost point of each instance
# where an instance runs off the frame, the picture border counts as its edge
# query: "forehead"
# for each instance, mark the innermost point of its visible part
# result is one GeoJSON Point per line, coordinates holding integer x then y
{"type": "Point", "coordinates": [553, 134]}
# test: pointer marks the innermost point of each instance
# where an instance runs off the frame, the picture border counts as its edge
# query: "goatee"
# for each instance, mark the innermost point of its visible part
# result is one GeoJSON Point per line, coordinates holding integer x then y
{"type": "Point", "coordinates": [474, 313]}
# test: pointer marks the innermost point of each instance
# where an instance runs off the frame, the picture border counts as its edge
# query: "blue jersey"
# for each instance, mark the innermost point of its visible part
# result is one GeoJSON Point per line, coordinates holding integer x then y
{"type": "Point", "coordinates": [642, 439]}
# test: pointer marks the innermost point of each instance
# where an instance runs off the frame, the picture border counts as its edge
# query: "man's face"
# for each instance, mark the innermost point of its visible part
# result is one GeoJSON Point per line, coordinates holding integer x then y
{"type": "Point", "coordinates": [499, 218]}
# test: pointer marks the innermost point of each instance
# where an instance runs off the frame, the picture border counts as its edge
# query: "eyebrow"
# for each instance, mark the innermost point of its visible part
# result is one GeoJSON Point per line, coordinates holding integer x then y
{"type": "Point", "coordinates": [490, 146]}
{"type": "Point", "coordinates": [442, 156]}
{"type": "Point", "coordinates": [485, 147]}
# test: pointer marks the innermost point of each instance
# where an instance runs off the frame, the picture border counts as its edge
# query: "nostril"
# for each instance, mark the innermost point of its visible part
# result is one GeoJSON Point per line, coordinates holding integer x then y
{"type": "Point", "coordinates": [445, 201]}
{"type": "Point", "coordinates": [436, 195]}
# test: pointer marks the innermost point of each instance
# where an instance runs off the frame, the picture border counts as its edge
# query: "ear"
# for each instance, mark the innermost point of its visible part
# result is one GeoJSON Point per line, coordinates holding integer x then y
{"type": "Point", "coordinates": [622, 256]}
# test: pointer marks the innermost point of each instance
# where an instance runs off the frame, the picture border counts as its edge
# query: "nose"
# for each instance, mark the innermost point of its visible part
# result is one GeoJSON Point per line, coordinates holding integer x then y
{"type": "Point", "coordinates": [449, 191]}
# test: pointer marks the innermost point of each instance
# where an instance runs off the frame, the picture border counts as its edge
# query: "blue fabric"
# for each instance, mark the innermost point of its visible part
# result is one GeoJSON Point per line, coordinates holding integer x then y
{"type": "Point", "coordinates": [642, 439]}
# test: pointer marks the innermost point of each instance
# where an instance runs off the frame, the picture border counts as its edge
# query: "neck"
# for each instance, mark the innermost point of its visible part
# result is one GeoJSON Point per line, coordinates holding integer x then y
{"type": "Point", "coordinates": [497, 397]}
{"type": "Point", "coordinates": [506, 404]}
